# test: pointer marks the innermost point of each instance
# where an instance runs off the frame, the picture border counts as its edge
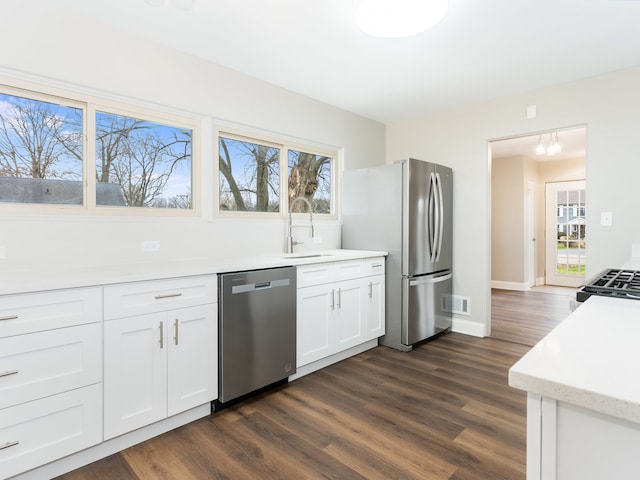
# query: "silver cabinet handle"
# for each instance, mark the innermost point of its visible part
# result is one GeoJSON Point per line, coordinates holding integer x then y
{"type": "Point", "coordinates": [9, 317]}
{"type": "Point", "coordinates": [9, 444]}
{"type": "Point", "coordinates": [333, 305]}
{"type": "Point", "coordinates": [161, 334]}
{"type": "Point", "coordinates": [175, 325]}
{"type": "Point", "coordinates": [339, 298]}
{"type": "Point", "coordinates": [168, 295]}
{"type": "Point", "coordinates": [8, 372]}
{"type": "Point", "coordinates": [376, 265]}
{"type": "Point", "coordinates": [370, 289]}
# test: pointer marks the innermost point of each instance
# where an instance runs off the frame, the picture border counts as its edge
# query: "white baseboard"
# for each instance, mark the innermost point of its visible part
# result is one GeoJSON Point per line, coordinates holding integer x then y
{"type": "Point", "coordinates": [468, 327]}
{"type": "Point", "coordinates": [510, 285]}
{"type": "Point", "coordinates": [325, 362]}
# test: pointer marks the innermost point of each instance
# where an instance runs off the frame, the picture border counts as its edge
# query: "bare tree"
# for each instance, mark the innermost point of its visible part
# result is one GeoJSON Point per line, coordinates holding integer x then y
{"type": "Point", "coordinates": [305, 177]}
{"type": "Point", "coordinates": [40, 140]}
{"type": "Point", "coordinates": [259, 178]}
{"type": "Point", "coordinates": [131, 153]}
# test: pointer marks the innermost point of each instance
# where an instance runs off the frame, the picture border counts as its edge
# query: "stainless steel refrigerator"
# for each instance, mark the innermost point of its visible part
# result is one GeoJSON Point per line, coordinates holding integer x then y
{"type": "Point", "coordinates": [405, 209]}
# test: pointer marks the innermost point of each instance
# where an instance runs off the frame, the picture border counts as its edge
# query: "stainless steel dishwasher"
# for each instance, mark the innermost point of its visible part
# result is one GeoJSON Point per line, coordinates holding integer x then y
{"type": "Point", "coordinates": [257, 337]}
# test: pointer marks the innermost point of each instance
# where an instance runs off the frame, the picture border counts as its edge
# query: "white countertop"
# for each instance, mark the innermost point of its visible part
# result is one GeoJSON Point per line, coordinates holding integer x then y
{"type": "Point", "coordinates": [592, 359]}
{"type": "Point", "coordinates": [54, 279]}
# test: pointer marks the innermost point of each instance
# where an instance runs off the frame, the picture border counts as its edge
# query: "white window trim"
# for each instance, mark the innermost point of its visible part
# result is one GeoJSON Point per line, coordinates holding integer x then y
{"type": "Point", "coordinates": [90, 103]}
{"type": "Point", "coordinates": [285, 144]}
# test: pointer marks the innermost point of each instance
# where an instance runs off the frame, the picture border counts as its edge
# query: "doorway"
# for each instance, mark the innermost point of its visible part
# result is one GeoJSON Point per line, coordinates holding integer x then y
{"type": "Point", "coordinates": [521, 170]}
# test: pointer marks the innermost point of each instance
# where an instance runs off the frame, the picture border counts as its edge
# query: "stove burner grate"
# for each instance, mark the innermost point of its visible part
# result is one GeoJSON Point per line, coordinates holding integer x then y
{"type": "Point", "coordinates": [612, 282]}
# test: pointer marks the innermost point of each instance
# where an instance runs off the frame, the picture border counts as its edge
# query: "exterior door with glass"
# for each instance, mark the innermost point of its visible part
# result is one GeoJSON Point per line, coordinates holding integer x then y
{"type": "Point", "coordinates": [566, 233]}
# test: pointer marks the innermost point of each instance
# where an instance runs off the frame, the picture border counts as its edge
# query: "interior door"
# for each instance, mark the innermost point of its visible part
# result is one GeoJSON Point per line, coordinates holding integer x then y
{"type": "Point", "coordinates": [565, 233]}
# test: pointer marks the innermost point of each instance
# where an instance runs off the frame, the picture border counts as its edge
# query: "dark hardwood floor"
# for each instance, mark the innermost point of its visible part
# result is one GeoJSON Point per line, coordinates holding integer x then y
{"type": "Point", "coordinates": [526, 317]}
{"type": "Point", "coordinates": [442, 411]}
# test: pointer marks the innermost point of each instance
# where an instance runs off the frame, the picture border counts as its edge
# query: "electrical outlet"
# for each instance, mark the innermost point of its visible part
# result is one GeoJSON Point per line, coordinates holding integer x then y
{"type": "Point", "coordinates": [151, 246]}
{"type": "Point", "coordinates": [317, 240]}
{"type": "Point", "coordinates": [3, 252]}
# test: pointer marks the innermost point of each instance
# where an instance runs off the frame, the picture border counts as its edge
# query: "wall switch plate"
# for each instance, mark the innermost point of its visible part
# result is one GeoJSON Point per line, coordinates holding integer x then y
{"type": "Point", "coordinates": [317, 240]}
{"type": "Point", "coordinates": [606, 219]}
{"type": "Point", "coordinates": [151, 246]}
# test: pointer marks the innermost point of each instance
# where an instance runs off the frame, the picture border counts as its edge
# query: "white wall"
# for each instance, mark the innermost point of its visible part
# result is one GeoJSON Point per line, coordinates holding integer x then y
{"type": "Point", "coordinates": [608, 105]}
{"type": "Point", "coordinates": [81, 55]}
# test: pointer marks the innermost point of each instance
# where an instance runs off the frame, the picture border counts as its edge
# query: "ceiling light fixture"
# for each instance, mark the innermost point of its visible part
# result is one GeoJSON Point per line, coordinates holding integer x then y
{"type": "Point", "coordinates": [552, 148]}
{"type": "Point", "coordinates": [398, 18]}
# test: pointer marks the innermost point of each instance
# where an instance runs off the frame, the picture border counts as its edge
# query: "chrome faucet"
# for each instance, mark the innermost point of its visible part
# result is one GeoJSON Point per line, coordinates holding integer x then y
{"type": "Point", "coordinates": [290, 242]}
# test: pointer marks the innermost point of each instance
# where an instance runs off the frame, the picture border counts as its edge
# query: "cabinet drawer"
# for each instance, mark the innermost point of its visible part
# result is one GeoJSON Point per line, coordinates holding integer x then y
{"type": "Point", "coordinates": [128, 299]}
{"type": "Point", "coordinates": [349, 269]}
{"type": "Point", "coordinates": [34, 312]}
{"type": "Point", "coordinates": [315, 274]}
{"type": "Point", "coordinates": [320, 273]}
{"type": "Point", "coordinates": [45, 363]}
{"type": "Point", "coordinates": [375, 266]}
{"type": "Point", "coordinates": [44, 430]}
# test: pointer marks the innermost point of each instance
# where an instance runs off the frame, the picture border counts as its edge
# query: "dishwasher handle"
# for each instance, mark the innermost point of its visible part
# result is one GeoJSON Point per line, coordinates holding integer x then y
{"type": "Point", "coordinates": [252, 287]}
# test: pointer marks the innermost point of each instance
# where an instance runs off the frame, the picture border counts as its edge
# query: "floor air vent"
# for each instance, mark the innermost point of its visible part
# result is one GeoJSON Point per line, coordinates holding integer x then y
{"type": "Point", "coordinates": [456, 304]}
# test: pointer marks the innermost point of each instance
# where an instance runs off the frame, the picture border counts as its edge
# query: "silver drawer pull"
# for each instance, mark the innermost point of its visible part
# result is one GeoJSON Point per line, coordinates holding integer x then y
{"type": "Point", "coordinates": [9, 317]}
{"type": "Point", "coordinates": [376, 265]}
{"type": "Point", "coordinates": [9, 444]}
{"type": "Point", "coordinates": [8, 372]}
{"type": "Point", "coordinates": [168, 295]}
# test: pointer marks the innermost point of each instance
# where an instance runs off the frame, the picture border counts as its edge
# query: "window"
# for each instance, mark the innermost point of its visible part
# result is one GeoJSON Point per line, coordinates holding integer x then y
{"type": "Point", "coordinates": [310, 177]}
{"type": "Point", "coordinates": [142, 162]}
{"type": "Point", "coordinates": [249, 176]}
{"type": "Point", "coordinates": [252, 176]}
{"type": "Point", "coordinates": [41, 154]}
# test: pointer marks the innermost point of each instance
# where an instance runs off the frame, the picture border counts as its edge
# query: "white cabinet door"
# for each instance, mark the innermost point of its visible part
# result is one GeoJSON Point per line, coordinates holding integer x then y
{"type": "Point", "coordinates": [193, 343]}
{"type": "Point", "coordinates": [314, 313]}
{"type": "Point", "coordinates": [135, 372]}
{"type": "Point", "coordinates": [375, 307]}
{"type": "Point", "coordinates": [348, 321]}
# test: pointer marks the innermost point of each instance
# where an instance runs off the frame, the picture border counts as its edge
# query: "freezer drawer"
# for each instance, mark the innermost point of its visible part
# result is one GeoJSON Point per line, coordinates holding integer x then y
{"type": "Point", "coordinates": [423, 313]}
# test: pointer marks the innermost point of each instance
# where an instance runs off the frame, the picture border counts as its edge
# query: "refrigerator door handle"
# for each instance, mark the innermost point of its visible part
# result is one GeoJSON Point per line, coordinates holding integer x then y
{"type": "Point", "coordinates": [440, 215]}
{"type": "Point", "coordinates": [430, 280]}
{"type": "Point", "coordinates": [432, 220]}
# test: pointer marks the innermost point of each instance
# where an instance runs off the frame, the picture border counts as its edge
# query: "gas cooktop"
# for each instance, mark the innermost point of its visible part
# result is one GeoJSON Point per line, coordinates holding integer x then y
{"type": "Point", "coordinates": [612, 282]}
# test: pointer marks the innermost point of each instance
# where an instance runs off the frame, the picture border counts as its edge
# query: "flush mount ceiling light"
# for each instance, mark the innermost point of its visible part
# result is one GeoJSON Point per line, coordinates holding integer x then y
{"type": "Point", "coordinates": [398, 18]}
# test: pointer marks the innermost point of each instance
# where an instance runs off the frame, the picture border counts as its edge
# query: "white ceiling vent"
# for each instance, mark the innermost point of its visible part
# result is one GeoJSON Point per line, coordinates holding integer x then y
{"type": "Point", "coordinates": [456, 304]}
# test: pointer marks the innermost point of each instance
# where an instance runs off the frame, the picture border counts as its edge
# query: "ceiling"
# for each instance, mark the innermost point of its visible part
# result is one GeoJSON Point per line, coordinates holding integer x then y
{"type": "Point", "coordinates": [482, 50]}
{"type": "Point", "coordinates": [573, 142]}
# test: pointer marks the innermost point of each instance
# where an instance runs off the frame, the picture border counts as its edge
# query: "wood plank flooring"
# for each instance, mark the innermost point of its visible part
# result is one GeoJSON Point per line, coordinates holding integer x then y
{"type": "Point", "coordinates": [443, 411]}
{"type": "Point", "coordinates": [526, 317]}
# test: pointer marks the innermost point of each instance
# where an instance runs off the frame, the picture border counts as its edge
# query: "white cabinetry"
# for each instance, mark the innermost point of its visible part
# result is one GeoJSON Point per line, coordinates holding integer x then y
{"type": "Point", "coordinates": [160, 350]}
{"type": "Point", "coordinates": [339, 305]}
{"type": "Point", "coordinates": [50, 376]}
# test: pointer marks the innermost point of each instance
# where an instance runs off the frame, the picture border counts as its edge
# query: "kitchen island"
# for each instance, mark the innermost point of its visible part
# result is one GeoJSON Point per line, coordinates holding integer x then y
{"type": "Point", "coordinates": [583, 404]}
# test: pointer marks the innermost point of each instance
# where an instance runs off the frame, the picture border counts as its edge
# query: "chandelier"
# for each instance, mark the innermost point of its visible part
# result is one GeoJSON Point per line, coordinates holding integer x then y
{"type": "Point", "coordinates": [552, 147]}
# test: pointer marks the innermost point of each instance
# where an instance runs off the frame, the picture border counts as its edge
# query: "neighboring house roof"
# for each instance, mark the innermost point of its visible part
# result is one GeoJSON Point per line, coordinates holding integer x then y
{"type": "Point", "coordinates": [52, 191]}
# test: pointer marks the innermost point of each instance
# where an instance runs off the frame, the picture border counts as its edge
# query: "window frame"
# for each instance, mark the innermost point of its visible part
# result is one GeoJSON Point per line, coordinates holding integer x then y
{"type": "Point", "coordinates": [90, 104]}
{"type": "Point", "coordinates": [285, 144]}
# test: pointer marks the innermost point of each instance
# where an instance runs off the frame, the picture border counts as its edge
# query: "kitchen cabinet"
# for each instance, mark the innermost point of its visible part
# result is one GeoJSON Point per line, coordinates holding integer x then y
{"type": "Point", "coordinates": [50, 376]}
{"type": "Point", "coordinates": [164, 361]}
{"type": "Point", "coordinates": [339, 305]}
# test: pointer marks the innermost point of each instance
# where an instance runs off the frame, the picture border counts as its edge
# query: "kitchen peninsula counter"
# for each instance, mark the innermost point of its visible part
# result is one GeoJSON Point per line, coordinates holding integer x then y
{"type": "Point", "coordinates": [583, 384]}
